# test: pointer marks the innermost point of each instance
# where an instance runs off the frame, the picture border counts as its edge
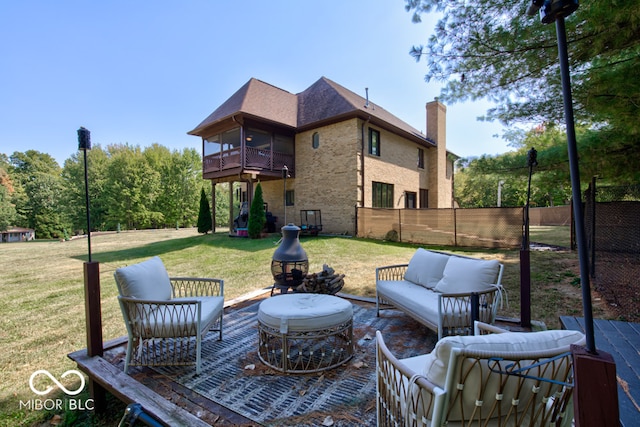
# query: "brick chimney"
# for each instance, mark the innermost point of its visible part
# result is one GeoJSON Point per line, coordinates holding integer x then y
{"type": "Point", "coordinates": [440, 172]}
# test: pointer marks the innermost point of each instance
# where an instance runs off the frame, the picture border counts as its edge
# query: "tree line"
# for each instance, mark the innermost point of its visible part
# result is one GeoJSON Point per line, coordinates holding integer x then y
{"type": "Point", "coordinates": [129, 188]}
{"type": "Point", "coordinates": [134, 188]}
{"type": "Point", "coordinates": [476, 180]}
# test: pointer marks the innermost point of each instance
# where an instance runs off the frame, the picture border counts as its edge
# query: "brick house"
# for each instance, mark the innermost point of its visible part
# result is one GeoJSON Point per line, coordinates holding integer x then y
{"type": "Point", "coordinates": [341, 150]}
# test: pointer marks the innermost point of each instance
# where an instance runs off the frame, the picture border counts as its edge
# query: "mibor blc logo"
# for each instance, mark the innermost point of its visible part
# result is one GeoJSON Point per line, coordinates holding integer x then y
{"type": "Point", "coordinates": [68, 403]}
{"type": "Point", "coordinates": [58, 383]}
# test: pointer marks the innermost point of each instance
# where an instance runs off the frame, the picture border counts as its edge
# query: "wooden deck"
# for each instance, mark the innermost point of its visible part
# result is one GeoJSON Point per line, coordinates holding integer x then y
{"type": "Point", "coordinates": [172, 404]}
{"type": "Point", "coordinates": [622, 341]}
{"type": "Point", "coordinates": [166, 401]}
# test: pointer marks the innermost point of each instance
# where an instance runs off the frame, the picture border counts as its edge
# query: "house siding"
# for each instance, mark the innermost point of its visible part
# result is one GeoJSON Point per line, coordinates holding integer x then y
{"type": "Point", "coordinates": [326, 178]}
{"type": "Point", "coordinates": [397, 165]}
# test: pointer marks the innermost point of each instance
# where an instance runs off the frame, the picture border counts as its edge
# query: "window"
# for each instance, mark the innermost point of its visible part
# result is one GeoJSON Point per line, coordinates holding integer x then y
{"type": "Point", "coordinates": [382, 195]}
{"type": "Point", "coordinates": [231, 138]}
{"type": "Point", "coordinates": [289, 198]}
{"type": "Point", "coordinates": [410, 199]}
{"type": "Point", "coordinates": [315, 140]}
{"type": "Point", "coordinates": [374, 142]}
{"type": "Point", "coordinates": [424, 198]}
{"type": "Point", "coordinates": [420, 158]}
{"type": "Point", "coordinates": [212, 145]}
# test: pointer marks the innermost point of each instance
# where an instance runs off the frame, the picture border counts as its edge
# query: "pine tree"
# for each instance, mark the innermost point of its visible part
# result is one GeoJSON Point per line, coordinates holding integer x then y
{"type": "Point", "coordinates": [257, 217]}
{"type": "Point", "coordinates": [205, 223]}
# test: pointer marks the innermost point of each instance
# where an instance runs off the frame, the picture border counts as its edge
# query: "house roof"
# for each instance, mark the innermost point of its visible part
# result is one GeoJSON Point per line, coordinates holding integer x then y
{"type": "Point", "coordinates": [321, 103]}
{"type": "Point", "coordinates": [255, 98]}
{"type": "Point", "coordinates": [18, 230]}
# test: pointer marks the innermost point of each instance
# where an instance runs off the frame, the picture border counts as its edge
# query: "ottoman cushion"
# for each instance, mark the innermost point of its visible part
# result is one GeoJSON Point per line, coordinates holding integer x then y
{"type": "Point", "coordinates": [304, 312]}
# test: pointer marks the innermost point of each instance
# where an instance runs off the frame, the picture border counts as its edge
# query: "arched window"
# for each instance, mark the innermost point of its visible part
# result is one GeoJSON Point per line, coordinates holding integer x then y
{"type": "Point", "coordinates": [315, 140]}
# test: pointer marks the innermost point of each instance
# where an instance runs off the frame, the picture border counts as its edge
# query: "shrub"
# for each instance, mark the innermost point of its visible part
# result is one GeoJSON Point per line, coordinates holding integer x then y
{"type": "Point", "coordinates": [205, 223]}
{"type": "Point", "coordinates": [257, 216]}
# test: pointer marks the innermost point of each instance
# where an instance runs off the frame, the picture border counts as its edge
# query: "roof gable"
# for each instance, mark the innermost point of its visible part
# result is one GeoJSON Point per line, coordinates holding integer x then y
{"type": "Point", "coordinates": [259, 99]}
{"type": "Point", "coordinates": [323, 100]}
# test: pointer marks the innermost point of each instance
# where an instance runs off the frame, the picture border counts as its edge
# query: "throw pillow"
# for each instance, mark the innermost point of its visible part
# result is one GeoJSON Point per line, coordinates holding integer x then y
{"type": "Point", "coordinates": [146, 280]}
{"type": "Point", "coordinates": [426, 268]}
{"type": "Point", "coordinates": [464, 275]}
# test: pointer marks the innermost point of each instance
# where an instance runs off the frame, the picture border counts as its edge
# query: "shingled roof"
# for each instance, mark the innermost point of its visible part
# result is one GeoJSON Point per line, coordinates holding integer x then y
{"type": "Point", "coordinates": [323, 102]}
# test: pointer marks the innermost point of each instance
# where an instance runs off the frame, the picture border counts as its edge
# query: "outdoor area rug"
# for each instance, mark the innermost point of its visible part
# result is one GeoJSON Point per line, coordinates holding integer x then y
{"type": "Point", "coordinates": [233, 375]}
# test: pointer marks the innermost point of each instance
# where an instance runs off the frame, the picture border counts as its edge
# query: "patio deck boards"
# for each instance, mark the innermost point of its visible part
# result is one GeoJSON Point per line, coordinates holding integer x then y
{"type": "Point", "coordinates": [622, 341]}
{"type": "Point", "coordinates": [166, 401]}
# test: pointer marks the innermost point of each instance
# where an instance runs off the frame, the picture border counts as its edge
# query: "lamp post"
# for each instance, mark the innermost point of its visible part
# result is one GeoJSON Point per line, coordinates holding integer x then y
{"type": "Point", "coordinates": [84, 144]}
{"type": "Point", "coordinates": [532, 160]}
{"type": "Point", "coordinates": [285, 175]}
{"type": "Point", "coordinates": [593, 370]}
{"type": "Point", "coordinates": [93, 311]}
{"type": "Point", "coordinates": [525, 255]}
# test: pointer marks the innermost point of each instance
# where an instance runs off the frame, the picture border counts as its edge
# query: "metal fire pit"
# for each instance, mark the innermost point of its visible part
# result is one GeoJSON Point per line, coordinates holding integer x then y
{"type": "Point", "coordinates": [289, 264]}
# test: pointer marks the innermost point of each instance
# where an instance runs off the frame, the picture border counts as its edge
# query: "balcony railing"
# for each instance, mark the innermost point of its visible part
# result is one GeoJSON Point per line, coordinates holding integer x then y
{"type": "Point", "coordinates": [249, 158]}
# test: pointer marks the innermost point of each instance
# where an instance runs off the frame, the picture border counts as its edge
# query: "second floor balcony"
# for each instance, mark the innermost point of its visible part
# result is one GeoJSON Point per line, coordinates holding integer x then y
{"type": "Point", "coordinates": [247, 150]}
{"type": "Point", "coordinates": [247, 159]}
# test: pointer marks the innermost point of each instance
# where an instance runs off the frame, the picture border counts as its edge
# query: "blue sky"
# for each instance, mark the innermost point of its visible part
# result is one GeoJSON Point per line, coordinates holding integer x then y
{"type": "Point", "coordinates": [144, 72]}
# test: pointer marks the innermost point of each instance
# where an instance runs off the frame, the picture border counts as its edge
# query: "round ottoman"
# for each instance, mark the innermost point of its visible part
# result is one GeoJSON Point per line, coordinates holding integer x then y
{"type": "Point", "coordinates": [301, 333]}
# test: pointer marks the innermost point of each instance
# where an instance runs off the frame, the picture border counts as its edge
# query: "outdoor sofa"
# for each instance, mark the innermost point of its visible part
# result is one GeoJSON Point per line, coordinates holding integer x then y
{"type": "Point", "coordinates": [444, 292]}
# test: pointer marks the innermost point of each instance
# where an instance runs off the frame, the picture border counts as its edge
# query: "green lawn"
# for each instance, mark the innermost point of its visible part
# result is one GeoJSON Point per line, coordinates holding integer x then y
{"type": "Point", "coordinates": [42, 315]}
{"type": "Point", "coordinates": [556, 235]}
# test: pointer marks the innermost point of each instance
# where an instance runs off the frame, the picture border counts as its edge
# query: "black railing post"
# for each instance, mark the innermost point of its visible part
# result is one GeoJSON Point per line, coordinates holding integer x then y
{"type": "Point", "coordinates": [475, 308]}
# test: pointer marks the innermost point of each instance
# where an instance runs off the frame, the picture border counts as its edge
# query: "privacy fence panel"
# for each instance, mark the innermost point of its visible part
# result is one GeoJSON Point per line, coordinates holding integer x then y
{"type": "Point", "coordinates": [435, 226]}
{"type": "Point", "coordinates": [485, 227]}
{"type": "Point", "coordinates": [552, 215]}
{"type": "Point", "coordinates": [489, 227]}
{"type": "Point", "coordinates": [613, 235]}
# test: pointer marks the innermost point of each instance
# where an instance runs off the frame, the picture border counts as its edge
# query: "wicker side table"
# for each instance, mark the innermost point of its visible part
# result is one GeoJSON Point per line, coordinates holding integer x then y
{"type": "Point", "coordinates": [302, 333]}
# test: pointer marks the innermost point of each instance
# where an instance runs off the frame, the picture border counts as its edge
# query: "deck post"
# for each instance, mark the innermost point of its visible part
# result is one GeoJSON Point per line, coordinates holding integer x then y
{"type": "Point", "coordinates": [93, 315]}
{"type": "Point", "coordinates": [595, 395]}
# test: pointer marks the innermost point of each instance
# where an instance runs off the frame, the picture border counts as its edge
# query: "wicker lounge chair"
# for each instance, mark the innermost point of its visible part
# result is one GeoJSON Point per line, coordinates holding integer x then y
{"type": "Point", "coordinates": [502, 379]}
{"type": "Point", "coordinates": [166, 318]}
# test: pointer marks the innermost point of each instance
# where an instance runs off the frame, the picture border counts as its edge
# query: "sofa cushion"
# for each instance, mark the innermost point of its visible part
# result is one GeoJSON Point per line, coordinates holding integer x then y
{"type": "Point", "coordinates": [146, 280]}
{"type": "Point", "coordinates": [414, 298]}
{"type": "Point", "coordinates": [464, 275]}
{"type": "Point", "coordinates": [177, 320]}
{"type": "Point", "coordinates": [426, 268]}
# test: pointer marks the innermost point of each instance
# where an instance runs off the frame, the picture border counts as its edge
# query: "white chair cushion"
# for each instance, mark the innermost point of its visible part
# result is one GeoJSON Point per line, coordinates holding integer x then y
{"type": "Point", "coordinates": [170, 321]}
{"type": "Point", "coordinates": [435, 368]}
{"type": "Point", "coordinates": [426, 268]}
{"type": "Point", "coordinates": [304, 312]}
{"type": "Point", "coordinates": [146, 280]}
{"type": "Point", "coordinates": [464, 275]}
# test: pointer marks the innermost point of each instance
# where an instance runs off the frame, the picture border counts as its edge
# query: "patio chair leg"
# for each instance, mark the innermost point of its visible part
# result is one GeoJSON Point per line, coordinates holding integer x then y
{"type": "Point", "coordinates": [198, 354]}
{"type": "Point", "coordinates": [127, 358]}
{"type": "Point", "coordinates": [220, 332]}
